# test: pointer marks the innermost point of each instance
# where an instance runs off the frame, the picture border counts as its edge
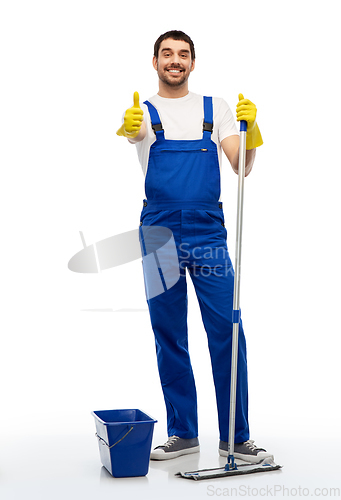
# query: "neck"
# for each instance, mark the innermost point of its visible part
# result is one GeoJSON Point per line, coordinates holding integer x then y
{"type": "Point", "coordinates": [172, 92]}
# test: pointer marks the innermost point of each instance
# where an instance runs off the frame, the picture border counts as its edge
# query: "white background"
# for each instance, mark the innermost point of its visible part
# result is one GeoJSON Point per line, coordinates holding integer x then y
{"type": "Point", "coordinates": [69, 70]}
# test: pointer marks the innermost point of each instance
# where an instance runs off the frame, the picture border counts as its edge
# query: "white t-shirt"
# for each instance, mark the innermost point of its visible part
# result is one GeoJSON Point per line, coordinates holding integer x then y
{"type": "Point", "coordinates": [182, 119]}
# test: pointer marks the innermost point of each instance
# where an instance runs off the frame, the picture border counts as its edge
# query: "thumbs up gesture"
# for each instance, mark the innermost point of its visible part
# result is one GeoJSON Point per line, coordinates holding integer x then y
{"type": "Point", "coordinates": [133, 119]}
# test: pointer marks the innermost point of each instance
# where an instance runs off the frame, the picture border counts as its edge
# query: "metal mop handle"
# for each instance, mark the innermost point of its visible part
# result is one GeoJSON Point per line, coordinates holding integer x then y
{"type": "Point", "coordinates": [236, 294]}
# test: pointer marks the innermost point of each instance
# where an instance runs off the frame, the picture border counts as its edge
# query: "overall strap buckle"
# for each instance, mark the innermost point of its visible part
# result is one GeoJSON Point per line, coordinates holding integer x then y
{"type": "Point", "coordinates": [207, 127]}
{"type": "Point", "coordinates": [157, 127]}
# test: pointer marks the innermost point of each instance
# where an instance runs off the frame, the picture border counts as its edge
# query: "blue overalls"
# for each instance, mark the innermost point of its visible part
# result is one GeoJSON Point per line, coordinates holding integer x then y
{"type": "Point", "coordinates": [182, 188]}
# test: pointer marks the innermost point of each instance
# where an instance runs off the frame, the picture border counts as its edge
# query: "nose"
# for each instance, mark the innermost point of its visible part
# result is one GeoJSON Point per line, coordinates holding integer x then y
{"type": "Point", "coordinates": [176, 59]}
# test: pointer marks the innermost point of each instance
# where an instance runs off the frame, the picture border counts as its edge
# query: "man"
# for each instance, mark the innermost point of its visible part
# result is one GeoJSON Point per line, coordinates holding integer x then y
{"type": "Point", "coordinates": [179, 137]}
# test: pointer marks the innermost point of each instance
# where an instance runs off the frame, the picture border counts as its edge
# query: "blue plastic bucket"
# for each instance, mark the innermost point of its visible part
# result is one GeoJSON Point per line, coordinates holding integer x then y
{"type": "Point", "coordinates": [124, 440]}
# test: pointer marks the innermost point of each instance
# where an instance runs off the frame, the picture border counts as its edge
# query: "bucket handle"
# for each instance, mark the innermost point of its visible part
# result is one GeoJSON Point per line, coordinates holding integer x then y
{"type": "Point", "coordinates": [104, 442]}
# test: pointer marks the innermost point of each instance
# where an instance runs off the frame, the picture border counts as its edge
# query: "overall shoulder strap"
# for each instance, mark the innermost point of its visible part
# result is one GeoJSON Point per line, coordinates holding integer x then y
{"type": "Point", "coordinates": [208, 117]}
{"type": "Point", "coordinates": [156, 122]}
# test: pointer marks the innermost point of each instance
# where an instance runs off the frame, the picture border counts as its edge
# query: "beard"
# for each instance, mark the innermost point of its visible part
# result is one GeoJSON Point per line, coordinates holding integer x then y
{"type": "Point", "coordinates": [170, 80]}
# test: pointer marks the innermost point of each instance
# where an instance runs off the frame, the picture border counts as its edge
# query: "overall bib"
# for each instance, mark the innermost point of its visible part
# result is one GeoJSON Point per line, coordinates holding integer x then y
{"type": "Point", "coordinates": [182, 188]}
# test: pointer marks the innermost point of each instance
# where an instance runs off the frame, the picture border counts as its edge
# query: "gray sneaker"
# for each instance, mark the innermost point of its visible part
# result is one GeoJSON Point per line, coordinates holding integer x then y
{"type": "Point", "coordinates": [175, 447]}
{"type": "Point", "coordinates": [247, 451]}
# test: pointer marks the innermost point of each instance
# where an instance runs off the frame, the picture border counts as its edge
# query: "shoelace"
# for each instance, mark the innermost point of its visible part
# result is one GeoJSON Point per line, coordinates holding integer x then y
{"type": "Point", "coordinates": [252, 446]}
{"type": "Point", "coordinates": [171, 440]}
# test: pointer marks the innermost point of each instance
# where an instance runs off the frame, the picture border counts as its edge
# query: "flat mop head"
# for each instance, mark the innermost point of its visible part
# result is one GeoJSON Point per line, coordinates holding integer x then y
{"type": "Point", "coordinates": [265, 466]}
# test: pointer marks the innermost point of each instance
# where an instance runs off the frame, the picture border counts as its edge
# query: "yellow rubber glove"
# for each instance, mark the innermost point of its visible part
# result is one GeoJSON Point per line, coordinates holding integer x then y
{"type": "Point", "coordinates": [133, 119]}
{"type": "Point", "coordinates": [247, 111]}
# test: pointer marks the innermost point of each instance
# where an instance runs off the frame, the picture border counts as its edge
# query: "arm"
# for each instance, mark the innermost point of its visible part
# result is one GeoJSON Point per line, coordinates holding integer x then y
{"type": "Point", "coordinates": [230, 147]}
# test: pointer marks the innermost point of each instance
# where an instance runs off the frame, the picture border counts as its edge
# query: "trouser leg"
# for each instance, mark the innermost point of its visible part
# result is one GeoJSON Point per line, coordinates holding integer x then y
{"type": "Point", "coordinates": [168, 314]}
{"type": "Point", "coordinates": [214, 290]}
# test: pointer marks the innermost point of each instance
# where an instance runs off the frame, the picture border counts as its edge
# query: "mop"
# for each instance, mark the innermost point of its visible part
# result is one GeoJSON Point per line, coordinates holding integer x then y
{"type": "Point", "coordinates": [231, 468]}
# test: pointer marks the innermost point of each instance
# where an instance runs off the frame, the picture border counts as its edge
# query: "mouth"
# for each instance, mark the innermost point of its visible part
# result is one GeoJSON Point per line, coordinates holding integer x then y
{"type": "Point", "coordinates": [174, 71]}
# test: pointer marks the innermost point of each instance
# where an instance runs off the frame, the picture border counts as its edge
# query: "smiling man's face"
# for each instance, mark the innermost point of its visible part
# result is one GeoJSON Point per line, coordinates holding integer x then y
{"type": "Point", "coordinates": [174, 63]}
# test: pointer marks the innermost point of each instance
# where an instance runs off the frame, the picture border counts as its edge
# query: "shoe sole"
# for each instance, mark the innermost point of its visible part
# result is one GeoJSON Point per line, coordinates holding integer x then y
{"type": "Point", "coordinates": [247, 458]}
{"type": "Point", "coordinates": [173, 454]}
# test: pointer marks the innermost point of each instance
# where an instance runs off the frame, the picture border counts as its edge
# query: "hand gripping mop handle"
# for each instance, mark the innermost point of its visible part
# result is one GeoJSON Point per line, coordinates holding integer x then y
{"type": "Point", "coordinates": [236, 294]}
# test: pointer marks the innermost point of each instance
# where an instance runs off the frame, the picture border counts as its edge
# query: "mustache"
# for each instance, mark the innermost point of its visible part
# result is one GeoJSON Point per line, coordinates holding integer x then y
{"type": "Point", "coordinates": [175, 67]}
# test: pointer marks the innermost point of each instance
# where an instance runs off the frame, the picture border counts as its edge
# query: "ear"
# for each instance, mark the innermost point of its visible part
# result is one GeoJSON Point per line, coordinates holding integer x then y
{"type": "Point", "coordinates": [154, 63]}
{"type": "Point", "coordinates": [193, 65]}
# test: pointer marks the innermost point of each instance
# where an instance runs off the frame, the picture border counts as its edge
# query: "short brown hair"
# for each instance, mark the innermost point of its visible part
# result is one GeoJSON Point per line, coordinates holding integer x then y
{"type": "Point", "coordinates": [174, 35]}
